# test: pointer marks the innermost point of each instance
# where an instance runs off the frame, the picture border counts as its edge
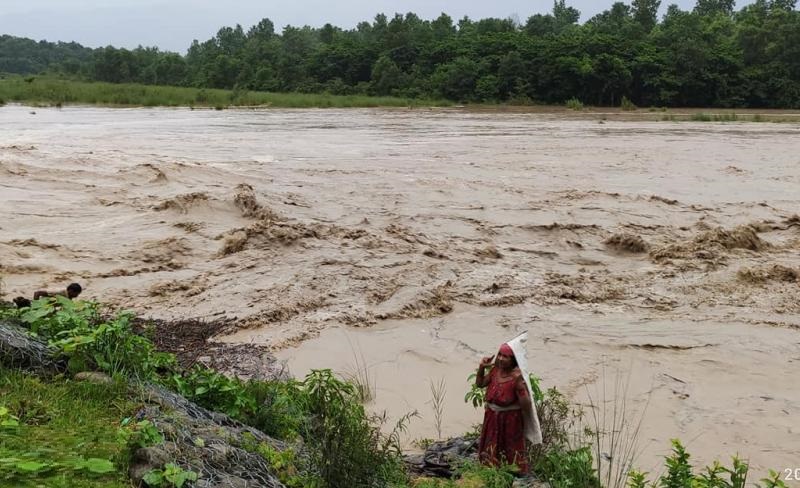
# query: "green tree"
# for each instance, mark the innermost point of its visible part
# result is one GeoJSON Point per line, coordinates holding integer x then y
{"type": "Point", "coordinates": [645, 13]}
{"type": "Point", "coordinates": [714, 7]}
{"type": "Point", "coordinates": [456, 80]}
{"type": "Point", "coordinates": [387, 77]}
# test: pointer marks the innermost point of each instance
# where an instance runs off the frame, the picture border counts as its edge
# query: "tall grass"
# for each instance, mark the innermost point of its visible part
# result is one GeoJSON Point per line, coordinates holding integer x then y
{"type": "Point", "coordinates": [574, 104]}
{"type": "Point", "coordinates": [626, 105]}
{"type": "Point", "coordinates": [438, 392]}
{"type": "Point", "coordinates": [615, 430]}
{"type": "Point", "coordinates": [701, 117]}
{"type": "Point", "coordinates": [57, 422]}
{"type": "Point", "coordinates": [359, 375]}
{"type": "Point", "coordinates": [57, 92]}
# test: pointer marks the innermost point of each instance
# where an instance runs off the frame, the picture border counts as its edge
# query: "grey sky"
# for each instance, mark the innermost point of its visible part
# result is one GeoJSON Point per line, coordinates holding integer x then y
{"type": "Point", "coordinates": [173, 24]}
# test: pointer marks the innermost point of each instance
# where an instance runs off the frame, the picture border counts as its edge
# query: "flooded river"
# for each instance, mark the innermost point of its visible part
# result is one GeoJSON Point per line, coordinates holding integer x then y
{"type": "Point", "coordinates": [659, 260]}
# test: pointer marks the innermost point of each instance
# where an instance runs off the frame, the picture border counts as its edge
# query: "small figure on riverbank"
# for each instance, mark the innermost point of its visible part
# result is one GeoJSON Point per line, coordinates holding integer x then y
{"type": "Point", "coordinates": [510, 416]}
{"type": "Point", "coordinates": [72, 291]}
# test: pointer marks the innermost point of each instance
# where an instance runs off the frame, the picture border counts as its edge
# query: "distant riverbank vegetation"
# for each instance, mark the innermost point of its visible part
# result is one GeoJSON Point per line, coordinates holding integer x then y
{"type": "Point", "coordinates": [51, 91]}
{"type": "Point", "coordinates": [711, 56]}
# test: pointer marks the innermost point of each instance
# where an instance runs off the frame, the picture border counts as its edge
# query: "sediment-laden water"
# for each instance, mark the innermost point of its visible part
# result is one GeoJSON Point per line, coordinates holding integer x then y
{"type": "Point", "coordinates": [656, 257]}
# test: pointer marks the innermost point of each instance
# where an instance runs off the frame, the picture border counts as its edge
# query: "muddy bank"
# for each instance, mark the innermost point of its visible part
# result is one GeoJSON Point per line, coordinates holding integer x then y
{"type": "Point", "coordinates": [662, 249]}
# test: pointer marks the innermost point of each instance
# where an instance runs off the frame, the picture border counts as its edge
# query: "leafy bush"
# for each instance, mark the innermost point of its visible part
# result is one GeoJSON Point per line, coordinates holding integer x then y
{"type": "Point", "coordinates": [679, 474]}
{"type": "Point", "coordinates": [348, 448]}
{"type": "Point", "coordinates": [91, 342]}
{"type": "Point", "coordinates": [140, 434]}
{"type": "Point", "coordinates": [568, 468]}
{"type": "Point", "coordinates": [626, 105]}
{"type": "Point", "coordinates": [172, 475]}
{"type": "Point", "coordinates": [574, 104]}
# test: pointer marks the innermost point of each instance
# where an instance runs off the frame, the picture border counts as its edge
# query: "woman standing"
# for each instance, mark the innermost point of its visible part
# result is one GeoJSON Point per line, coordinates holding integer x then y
{"type": "Point", "coordinates": [510, 416]}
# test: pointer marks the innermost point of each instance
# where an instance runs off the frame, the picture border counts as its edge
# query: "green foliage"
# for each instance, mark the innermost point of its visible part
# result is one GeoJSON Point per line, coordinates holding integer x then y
{"type": "Point", "coordinates": [287, 465]}
{"type": "Point", "coordinates": [477, 396]}
{"type": "Point", "coordinates": [568, 468]}
{"type": "Point", "coordinates": [277, 408]}
{"type": "Point", "coordinates": [141, 434]}
{"type": "Point", "coordinates": [679, 474]}
{"type": "Point", "coordinates": [348, 448]}
{"type": "Point", "coordinates": [61, 433]}
{"type": "Point", "coordinates": [214, 390]}
{"type": "Point", "coordinates": [171, 476]}
{"type": "Point", "coordinates": [574, 104]}
{"type": "Point", "coordinates": [92, 342]}
{"type": "Point", "coordinates": [679, 471]}
{"type": "Point", "coordinates": [710, 56]}
{"type": "Point", "coordinates": [637, 479]}
{"type": "Point", "coordinates": [57, 91]}
{"type": "Point", "coordinates": [773, 480]}
{"type": "Point", "coordinates": [627, 105]}
{"type": "Point", "coordinates": [7, 421]}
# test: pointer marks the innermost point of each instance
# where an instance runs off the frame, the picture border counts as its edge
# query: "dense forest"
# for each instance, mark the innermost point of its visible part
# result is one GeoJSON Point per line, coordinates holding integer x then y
{"type": "Point", "coordinates": [711, 56]}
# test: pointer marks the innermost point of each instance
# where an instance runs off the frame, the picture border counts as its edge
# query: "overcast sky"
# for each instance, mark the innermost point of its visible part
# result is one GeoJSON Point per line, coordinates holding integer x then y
{"type": "Point", "coordinates": [172, 25]}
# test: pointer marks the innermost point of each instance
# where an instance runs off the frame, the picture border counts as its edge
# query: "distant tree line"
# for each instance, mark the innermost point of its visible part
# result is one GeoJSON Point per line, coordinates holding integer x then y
{"type": "Point", "coordinates": [710, 56]}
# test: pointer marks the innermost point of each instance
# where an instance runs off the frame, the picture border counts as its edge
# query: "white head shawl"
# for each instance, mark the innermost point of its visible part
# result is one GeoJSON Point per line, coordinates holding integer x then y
{"type": "Point", "coordinates": [533, 431]}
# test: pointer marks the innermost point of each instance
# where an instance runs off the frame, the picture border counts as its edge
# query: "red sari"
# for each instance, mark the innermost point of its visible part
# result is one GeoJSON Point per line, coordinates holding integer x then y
{"type": "Point", "coordinates": [502, 437]}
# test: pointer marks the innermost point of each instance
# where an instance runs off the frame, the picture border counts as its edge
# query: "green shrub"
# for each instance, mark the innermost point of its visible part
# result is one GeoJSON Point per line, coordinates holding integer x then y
{"type": "Point", "coordinates": [679, 474]}
{"type": "Point", "coordinates": [348, 448]}
{"type": "Point", "coordinates": [574, 104]}
{"type": "Point", "coordinates": [48, 91]}
{"type": "Point", "coordinates": [288, 466]}
{"type": "Point", "coordinates": [701, 117]}
{"type": "Point", "coordinates": [171, 475]}
{"type": "Point", "coordinates": [77, 329]}
{"type": "Point", "coordinates": [627, 105]}
{"type": "Point", "coordinates": [732, 117]}
{"type": "Point", "coordinates": [568, 468]}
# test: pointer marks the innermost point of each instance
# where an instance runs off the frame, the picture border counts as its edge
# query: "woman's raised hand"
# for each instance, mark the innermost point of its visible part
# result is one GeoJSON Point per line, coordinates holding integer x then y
{"type": "Point", "coordinates": [486, 362]}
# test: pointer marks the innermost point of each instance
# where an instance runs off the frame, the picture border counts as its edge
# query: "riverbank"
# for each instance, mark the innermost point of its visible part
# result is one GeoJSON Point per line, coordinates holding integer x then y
{"type": "Point", "coordinates": [43, 91]}
{"type": "Point", "coordinates": [86, 401]}
{"type": "Point", "coordinates": [37, 90]}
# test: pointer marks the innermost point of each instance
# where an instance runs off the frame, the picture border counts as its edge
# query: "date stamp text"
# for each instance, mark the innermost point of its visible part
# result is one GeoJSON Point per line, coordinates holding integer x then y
{"type": "Point", "coordinates": [791, 474]}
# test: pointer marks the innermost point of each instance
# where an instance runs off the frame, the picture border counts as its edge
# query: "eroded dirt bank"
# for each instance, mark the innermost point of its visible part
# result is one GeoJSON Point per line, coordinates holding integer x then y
{"type": "Point", "coordinates": [423, 238]}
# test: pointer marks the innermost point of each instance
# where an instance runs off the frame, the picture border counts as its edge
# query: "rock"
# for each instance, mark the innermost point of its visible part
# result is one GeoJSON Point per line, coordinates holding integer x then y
{"type": "Point", "coordinates": [529, 482]}
{"type": "Point", "coordinates": [225, 481]}
{"type": "Point", "coordinates": [138, 471]}
{"type": "Point", "coordinates": [19, 350]}
{"type": "Point", "coordinates": [155, 456]}
{"type": "Point", "coordinates": [442, 458]}
{"type": "Point", "coordinates": [95, 377]}
{"type": "Point", "coordinates": [219, 453]}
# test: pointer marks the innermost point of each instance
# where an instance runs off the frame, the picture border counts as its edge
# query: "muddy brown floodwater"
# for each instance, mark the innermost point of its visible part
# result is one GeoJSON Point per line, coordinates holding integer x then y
{"type": "Point", "coordinates": [661, 255]}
